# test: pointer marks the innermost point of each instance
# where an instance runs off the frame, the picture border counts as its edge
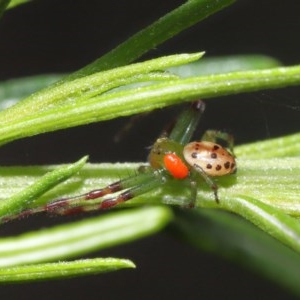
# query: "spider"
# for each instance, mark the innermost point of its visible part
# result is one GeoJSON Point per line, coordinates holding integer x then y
{"type": "Point", "coordinates": [171, 156]}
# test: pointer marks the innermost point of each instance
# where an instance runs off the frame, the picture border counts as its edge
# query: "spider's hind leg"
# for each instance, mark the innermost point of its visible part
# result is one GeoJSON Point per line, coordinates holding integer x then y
{"type": "Point", "coordinates": [208, 180]}
{"type": "Point", "coordinates": [193, 197]}
{"type": "Point", "coordinates": [215, 136]}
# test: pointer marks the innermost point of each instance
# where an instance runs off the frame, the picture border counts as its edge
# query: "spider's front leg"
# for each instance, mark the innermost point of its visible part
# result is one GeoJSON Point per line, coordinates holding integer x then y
{"type": "Point", "coordinates": [96, 199]}
{"type": "Point", "coordinates": [129, 188]}
{"type": "Point", "coordinates": [187, 122]}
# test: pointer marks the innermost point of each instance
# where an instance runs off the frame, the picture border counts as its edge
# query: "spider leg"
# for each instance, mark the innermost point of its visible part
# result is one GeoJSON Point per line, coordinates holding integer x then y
{"type": "Point", "coordinates": [187, 123]}
{"type": "Point", "coordinates": [93, 200]}
{"type": "Point", "coordinates": [208, 181]}
{"type": "Point", "coordinates": [145, 183]}
{"type": "Point", "coordinates": [194, 189]}
{"type": "Point", "coordinates": [215, 135]}
{"type": "Point", "coordinates": [97, 193]}
{"type": "Point", "coordinates": [123, 132]}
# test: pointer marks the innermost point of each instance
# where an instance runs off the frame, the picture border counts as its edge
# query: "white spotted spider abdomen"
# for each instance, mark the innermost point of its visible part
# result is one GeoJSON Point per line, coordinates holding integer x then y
{"type": "Point", "coordinates": [212, 158]}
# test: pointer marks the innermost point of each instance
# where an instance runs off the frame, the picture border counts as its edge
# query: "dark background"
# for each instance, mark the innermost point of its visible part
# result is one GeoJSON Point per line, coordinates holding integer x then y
{"type": "Point", "coordinates": [53, 36]}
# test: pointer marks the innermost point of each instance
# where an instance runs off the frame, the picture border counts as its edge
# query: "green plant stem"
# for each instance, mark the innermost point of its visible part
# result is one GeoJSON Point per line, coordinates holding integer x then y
{"type": "Point", "coordinates": [96, 84]}
{"type": "Point", "coordinates": [186, 15]}
{"type": "Point", "coordinates": [136, 100]}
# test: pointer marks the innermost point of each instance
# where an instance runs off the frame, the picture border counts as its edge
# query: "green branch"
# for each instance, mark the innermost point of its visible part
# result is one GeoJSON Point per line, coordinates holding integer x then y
{"type": "Point", "coordinates": [63, 270]}
{"type": "Point", "coordinates": [86, 100]}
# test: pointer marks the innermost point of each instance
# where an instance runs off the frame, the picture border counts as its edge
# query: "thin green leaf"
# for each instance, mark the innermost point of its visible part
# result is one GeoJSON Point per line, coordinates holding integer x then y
{"type": "Point", "coordinates": [28, 195]}
{"type": "Point", "coordinates": [69, 240]}
{"type": "Point", "coordinates": [63, 270]}
{"type": "Point", "coordinates": [231, 237]}
{"type": "Point", "coordinates": [181, 18]}
{"type": "Point", "coordinates": [271, 220]}
{"type": "Point", "coordinates": [225, 64]}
